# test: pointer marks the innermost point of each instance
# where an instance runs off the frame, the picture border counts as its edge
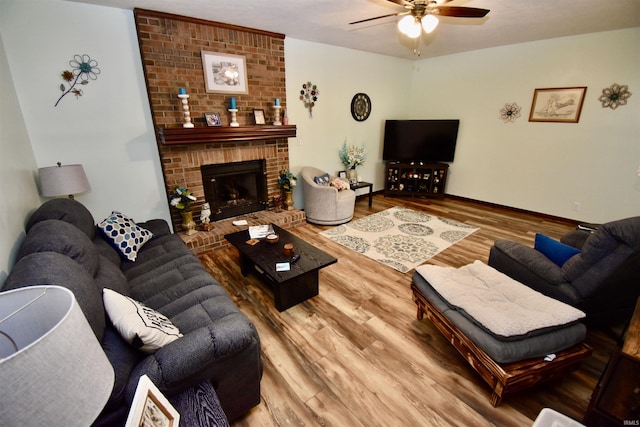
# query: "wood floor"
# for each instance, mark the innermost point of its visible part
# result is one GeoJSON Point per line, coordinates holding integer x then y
{"type": "Point", "coordinates": [356, 356]}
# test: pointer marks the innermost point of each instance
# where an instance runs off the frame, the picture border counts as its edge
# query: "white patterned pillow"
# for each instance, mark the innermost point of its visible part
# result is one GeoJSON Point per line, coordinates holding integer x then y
{"type": "Point", "coordinates": [124, 234]}
{"type": "Point", "coordinates": [139, 325]}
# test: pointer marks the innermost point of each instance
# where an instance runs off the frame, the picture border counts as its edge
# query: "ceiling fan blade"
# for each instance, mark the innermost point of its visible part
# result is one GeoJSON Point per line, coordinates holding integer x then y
{"type": "Point", "coordinates": [461, 11]}
{"type": "Point", "coordinates": [399, 2]}
{"type": "Point", "coordinates": [372, 19]}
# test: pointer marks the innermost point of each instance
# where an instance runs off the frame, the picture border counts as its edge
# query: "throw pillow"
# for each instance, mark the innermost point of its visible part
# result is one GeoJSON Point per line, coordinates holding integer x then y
{"type": "Point", "coordinates": [139, 325]}
{"type": "Point", "coordinates": [556, 251]}
{"type": "Point", "coordinates": [339, 184]}
{"type": "Point", "coordinates": [124, 234]}
{"type": "Point", "coordinates": [322, 180]}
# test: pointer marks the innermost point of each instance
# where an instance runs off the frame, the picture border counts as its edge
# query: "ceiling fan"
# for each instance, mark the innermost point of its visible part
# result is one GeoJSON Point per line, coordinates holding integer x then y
{"type": "Point", "coordinates": [422, 14]}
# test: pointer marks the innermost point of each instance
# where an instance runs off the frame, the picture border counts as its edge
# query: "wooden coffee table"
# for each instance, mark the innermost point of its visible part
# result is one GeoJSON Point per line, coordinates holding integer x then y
{"type": "Point", "coordinates": [289, 287]}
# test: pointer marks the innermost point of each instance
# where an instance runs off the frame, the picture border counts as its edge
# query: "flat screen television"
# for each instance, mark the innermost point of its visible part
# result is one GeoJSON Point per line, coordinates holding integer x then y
{"type": "Point", "coordinates": [420, 140]}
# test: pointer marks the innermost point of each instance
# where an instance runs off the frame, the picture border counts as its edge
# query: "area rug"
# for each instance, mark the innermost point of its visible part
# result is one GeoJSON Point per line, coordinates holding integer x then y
{"type": "Point", "coordinates": [398, 237]}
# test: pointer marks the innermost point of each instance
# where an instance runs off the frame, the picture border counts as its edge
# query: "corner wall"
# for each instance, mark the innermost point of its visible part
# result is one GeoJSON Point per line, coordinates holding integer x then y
{"type": "Point", "coordinates": [542, 167]}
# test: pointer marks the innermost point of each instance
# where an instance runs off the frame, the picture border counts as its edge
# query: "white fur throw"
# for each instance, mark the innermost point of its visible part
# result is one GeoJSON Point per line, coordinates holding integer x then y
{"type": "Point", "coordinates": [496, 301]}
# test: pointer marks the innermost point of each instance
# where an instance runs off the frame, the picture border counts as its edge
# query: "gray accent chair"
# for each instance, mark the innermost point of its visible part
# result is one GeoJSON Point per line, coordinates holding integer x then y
{"type": "Point", "coordinates": [325, 205]}
{"type": "Point", "coordinates": [603, 280]}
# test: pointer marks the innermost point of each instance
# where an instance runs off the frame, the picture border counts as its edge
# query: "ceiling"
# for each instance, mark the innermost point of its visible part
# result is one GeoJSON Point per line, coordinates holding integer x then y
{"type": "Point", "coordinates": [327, 21]}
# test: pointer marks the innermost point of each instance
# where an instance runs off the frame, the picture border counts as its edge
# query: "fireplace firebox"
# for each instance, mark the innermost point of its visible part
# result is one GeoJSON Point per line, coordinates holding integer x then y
{"type": "Point", "coordinates": [233, 189]}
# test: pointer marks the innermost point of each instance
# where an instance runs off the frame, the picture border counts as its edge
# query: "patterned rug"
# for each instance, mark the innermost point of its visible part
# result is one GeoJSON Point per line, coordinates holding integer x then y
{"type": "Point", "coordinates": [400, 238]}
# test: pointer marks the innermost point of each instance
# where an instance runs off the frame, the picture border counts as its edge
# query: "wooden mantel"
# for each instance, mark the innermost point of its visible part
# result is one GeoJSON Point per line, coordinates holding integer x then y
{"type": "Point", "coordinates": [203, 135]}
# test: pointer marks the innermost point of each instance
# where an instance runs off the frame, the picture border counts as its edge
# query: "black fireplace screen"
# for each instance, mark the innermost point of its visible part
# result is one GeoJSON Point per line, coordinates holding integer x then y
{"type": "Point", "coordinates": [233, 189]}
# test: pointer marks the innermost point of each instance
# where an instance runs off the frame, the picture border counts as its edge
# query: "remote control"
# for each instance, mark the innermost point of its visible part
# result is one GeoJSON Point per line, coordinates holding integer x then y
{"type": "Point", "coordinates": [294, 258]}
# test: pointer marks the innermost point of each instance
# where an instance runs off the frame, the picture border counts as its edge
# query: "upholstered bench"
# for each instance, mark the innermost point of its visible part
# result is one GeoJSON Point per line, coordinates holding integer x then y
{"type": "Point", "coordinates": [511, 335]}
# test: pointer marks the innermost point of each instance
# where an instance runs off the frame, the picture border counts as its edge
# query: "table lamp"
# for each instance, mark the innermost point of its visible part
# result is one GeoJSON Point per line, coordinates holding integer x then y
{"type": "Point", "coordinates": [53, 371]}
{"type": "Point", "coordinates": [63, 180]}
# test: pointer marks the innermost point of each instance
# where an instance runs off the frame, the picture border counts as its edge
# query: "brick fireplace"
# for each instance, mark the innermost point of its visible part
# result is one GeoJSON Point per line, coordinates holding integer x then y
{"type": "Point", "coordinates": [182, 162]}
{"type": "Point", "coordinates": [170, 49]}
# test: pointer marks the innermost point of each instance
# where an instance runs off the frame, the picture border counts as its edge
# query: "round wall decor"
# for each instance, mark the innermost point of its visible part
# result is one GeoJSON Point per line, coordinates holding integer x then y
{"type": "Point", "coordinates": [360, 107]}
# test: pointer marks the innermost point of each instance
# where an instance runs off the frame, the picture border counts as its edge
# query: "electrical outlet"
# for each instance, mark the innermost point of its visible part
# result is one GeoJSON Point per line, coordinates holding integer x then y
{"type": "Point", "coordinates": [576, 206]}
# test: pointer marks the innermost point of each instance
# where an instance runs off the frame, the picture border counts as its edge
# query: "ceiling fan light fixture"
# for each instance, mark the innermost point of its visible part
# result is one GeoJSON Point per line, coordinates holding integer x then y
{"type": "Point", "coordinates": [429, 23]}
{"type": "Point", "coordinates": [410, 26]}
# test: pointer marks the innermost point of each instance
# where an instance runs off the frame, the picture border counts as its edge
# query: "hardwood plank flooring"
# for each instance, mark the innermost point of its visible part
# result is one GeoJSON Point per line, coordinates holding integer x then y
{"type": "Point", "coordinates": [355, 355]}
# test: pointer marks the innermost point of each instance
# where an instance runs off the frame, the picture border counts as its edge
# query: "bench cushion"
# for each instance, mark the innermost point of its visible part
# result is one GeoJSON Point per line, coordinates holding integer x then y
{"type": "Point", "coordinates": [505, 308]}
{"type": "Point", "coordinates": [504, 351]}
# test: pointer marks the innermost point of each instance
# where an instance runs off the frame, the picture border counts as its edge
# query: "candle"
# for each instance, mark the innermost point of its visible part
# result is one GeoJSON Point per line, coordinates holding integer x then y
{"type": "Point", "coordinates": [277, 103]}
{"type": "Point", "coordinates": [232, 103]}
{"type": "Point", "coordinates": [182, 91]}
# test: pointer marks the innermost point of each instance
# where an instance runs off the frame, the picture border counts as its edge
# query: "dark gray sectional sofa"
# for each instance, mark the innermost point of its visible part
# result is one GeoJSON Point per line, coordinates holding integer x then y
{"type": "Point", "coordinates": [64, 247]}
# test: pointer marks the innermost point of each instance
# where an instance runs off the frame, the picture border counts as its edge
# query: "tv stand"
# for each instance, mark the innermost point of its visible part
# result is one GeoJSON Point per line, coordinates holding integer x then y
{"type": "Point", "coordinates": [415, 179]}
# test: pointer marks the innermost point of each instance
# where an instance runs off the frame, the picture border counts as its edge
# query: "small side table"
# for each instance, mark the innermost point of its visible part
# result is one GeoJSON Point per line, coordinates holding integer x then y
{"type": "Point", "coordinates": [363, 184]}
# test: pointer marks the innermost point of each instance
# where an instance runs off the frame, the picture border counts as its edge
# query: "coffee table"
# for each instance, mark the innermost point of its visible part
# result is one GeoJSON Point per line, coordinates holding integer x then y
{"type": "Point", "coordinates": [289, 287]}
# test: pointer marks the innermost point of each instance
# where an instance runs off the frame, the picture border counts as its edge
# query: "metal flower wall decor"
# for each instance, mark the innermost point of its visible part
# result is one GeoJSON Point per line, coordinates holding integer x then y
{"type": "Point", "coordinates": [510, 112]}
{"type": "Point", "coordinates": [309, 95]}
{"type": "Point", "coordinates": [614, 96]}
{"type": "Point", "coordinates": [83, 69]}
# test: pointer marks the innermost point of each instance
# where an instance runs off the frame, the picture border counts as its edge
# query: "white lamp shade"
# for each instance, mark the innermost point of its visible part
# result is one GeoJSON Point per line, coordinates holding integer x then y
{"type": "Point", "coordinates": [429, 23]}
{"type": "Point", "coordinates": [409, 26]}
{"type": "Point", "coordinates": [63, 180]}
{"type": "Point", "coordinates": [59, 375]}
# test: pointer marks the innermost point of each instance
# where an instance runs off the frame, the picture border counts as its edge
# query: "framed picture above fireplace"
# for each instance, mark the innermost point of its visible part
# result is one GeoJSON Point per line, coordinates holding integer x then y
{"type": "Point", "coordinates": [224, 73]}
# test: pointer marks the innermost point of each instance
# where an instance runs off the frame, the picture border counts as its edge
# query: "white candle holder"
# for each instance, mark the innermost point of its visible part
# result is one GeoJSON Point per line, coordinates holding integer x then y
{"type": "Point", "coordinates": [277, 121]}
{"type": "Point", "coordinates": [234, 123]}
{"type": "Point", "coordinates": [184, 98]}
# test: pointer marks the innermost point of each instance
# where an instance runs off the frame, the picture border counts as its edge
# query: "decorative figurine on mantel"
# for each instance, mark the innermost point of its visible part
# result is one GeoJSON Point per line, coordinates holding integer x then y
{"type": "Point", "coordinates": [205, 218]}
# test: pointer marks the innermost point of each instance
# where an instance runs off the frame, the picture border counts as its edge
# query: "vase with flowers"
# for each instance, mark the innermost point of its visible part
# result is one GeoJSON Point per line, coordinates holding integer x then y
{"type": "Point", "coordinates": [352, 156]}
{"type": "Point", "coordinates": [181, 199]}
{"type": "Point", "coordinates": [287, 181]}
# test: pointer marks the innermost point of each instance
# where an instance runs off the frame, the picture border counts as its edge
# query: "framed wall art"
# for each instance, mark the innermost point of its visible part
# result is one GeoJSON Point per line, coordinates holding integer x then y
{"type": "Point", "coordinates": [150, 407]}
{"type": "Point", "coordinates": [224, 73]}
{"type": "Point", "coordinates": [561, 105]}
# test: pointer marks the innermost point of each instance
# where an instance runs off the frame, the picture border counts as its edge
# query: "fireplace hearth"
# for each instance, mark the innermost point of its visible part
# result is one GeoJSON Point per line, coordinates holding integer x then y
{"type": "Point", "coordinates": [233, 189]}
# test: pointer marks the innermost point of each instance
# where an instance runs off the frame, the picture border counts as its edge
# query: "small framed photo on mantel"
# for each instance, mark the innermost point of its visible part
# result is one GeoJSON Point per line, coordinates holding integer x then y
{"type": "Point", "coordinates": [212, 119]}
{"type": "Point", "coordinates": [259, 116]}
{"type": "Point", "coordinates": [560, 105]}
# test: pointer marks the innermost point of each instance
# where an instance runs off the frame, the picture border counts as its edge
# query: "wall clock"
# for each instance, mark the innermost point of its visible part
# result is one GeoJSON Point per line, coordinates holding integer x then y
{"type": "Point", "coordinates": [360, 107]}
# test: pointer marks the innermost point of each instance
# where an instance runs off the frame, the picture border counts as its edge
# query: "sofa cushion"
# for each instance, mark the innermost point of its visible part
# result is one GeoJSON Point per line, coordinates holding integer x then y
{"type": "Point", "coordinates": [554, 250]}
{"type": "Point", "coordinates": [339, 184]}
{"type": "Point", "coordinates": [67, 210]}
{"type": "Point", "coordinates": [143, 327]}
{"type": "Point", "coordinates": [52, 268]}
{"type": "Point", "coordinates": [110, 276]}
{"type": "Point", "coordinates": [124, 234]}
{"type": "Point", "coordinates": [69, 241]}
{"type": "Point", "coordinates": [322, 179]}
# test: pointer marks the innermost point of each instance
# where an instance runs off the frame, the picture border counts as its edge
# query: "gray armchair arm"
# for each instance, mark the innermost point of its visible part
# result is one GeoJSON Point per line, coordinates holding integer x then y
{"type": "Point", "coordinates": [538, 264]}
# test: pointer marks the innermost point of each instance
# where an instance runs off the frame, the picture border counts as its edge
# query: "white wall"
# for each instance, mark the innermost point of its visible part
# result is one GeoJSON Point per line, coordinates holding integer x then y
{"type": "Point", "coordinates": [109, 128]}
{"type": "Point", "coordinates": [17, 165]}
{"type": "Point", "coordinates": [542, 167]}
{"type": "Point", "coordinates": [339, 74]}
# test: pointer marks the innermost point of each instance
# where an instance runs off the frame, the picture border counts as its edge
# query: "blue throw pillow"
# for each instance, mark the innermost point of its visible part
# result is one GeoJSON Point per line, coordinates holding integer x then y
{"type": "Point", "coordinates": [322, 180]}
{"type": "Point", "coordinates": [556, 251]}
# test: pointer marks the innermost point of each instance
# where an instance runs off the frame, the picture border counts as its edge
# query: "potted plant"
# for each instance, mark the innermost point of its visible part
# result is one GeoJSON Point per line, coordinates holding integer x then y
{"type": "Point", "coordinates": [181, 199]}
{"type": "Point", "coordinates": [351, 157]}
{"type": "Point", "coordinates": [287, 181]}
